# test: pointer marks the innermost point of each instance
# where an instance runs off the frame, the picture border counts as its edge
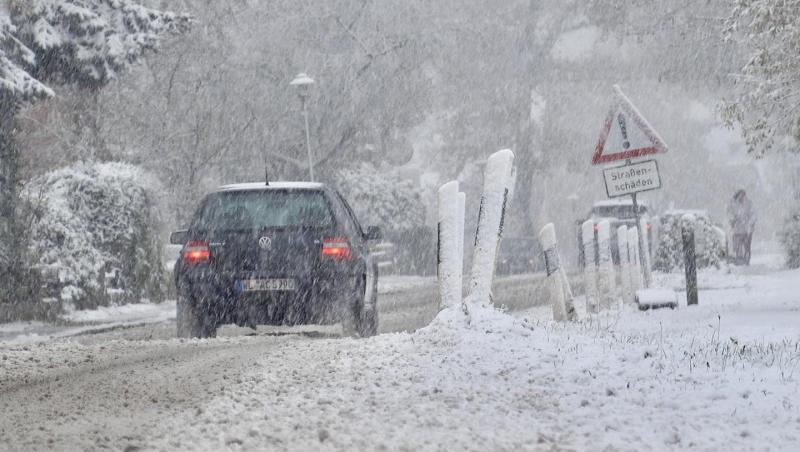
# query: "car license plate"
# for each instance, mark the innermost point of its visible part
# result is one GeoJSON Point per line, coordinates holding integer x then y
{"type": "Point", "coordinates": [268, 285]}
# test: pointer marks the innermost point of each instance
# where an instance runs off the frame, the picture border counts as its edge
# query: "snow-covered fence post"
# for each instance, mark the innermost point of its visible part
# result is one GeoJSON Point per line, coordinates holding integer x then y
{"type": "Point", "coordinates": [589, 266]}
{"type": "Point", "coordinates": [497, 178]}
{"type": "Point", "coordinates": [647, 265]}
{"type": "Point", "coordinates": [635, 264]}
{"type": "Point", "coordinates": [624, 264]}
{"type": "Point", "coordinates": [449, 268]}
{"type": "Point", "coordinates": [689, 258]}
{"type": "Point", "coordinates": [461, 211]}
{"type": "Point", "coordinates": [556, 281]}
{"type": "Point", "coordinates": [606, 279]}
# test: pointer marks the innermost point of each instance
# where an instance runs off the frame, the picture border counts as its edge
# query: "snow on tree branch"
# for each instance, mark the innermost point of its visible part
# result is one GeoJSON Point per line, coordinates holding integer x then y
{"type": "Point", "coordinates": [15, 80]}
{"type": "Point", "coordinates": [767, 105]}
{"type": "Point", "coordinates": [89, 41]}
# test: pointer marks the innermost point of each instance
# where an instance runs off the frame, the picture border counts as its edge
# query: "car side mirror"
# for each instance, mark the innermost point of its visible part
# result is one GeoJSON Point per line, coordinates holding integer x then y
{"type": "Point", "coordinates": [373, 233]}
{"type": "Point", "coordinates": [179, 237]}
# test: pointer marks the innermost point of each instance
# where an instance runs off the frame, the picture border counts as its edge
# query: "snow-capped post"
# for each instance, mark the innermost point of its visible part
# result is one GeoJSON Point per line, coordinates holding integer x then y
{"type": "Point", "coordinates": [689, 258]}
{"type": "Point", "coordinates": [449, 268]}
{"type": "Point", "coordinates": [635, 267]}
{"type": "Point", "coordinates": [624, 264]}
{"type": "Point", "coordinates": [589, 266]}
{"type": "Point", "coordinates": [558, 291]}
{"type": "Point", "coordinates": [647, 265]}
{"type": "Point", "coordinates": [497, 178]}
{"type": "Point", "coordinates": [460, 219]}
{"type": "Point", "coordinates": [605, 269]}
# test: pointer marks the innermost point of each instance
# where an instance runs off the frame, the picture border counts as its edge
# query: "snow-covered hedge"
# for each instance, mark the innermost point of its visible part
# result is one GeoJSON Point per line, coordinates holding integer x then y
{"type": "Point", "coordinates": [96, 219]}
{"type": "Point", "coordinates": [381, 198]}
{"type": "Point", "coordinates": [710, 244]}
{"type": "Point", "coordinates": [790, 238]}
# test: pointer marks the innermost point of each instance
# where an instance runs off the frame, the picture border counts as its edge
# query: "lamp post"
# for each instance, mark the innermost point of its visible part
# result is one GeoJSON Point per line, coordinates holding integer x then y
{"type": "Point", "coordinates": [303, 83]}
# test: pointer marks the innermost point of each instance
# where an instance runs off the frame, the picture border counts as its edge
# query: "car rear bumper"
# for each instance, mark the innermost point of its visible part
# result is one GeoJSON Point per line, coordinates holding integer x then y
{"type": "Point", "coordinates": [317, 298]}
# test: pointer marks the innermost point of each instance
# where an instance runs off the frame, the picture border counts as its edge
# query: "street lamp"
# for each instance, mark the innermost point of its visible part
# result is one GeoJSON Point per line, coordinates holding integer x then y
{"type": "Point", "coordinates": [303, 83]}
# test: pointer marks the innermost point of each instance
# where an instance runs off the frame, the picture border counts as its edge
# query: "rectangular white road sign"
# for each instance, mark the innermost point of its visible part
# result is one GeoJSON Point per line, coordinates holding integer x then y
{"type": "Point", "coordinates": [633, 178]}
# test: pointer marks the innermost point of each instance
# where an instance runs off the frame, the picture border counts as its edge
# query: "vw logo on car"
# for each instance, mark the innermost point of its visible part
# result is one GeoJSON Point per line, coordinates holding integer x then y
{"type": "Point", "coordinates": [265, 243]}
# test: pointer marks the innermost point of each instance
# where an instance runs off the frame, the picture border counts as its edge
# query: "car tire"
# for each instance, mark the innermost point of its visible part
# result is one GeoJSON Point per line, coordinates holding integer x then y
{"type": "Point", "coordinates": [360, 316]}
{"type": "Point", "coordinates": [368, 323]}
{"type": "Point", "coordinates": [191, 321]}
{"type": "Point", "coordinates": [350, 320]}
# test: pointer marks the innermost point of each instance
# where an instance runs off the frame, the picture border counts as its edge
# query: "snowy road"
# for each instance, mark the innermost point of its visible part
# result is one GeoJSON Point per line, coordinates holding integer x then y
{"type": "Point", "coordinates": [111, 384]}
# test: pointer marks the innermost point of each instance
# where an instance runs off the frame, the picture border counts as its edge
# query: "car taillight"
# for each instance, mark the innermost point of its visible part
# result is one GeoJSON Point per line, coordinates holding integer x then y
{"type": "Point", "coordinates": [336, 248]}
{"type": "Point", "coordinates": [196, 252]}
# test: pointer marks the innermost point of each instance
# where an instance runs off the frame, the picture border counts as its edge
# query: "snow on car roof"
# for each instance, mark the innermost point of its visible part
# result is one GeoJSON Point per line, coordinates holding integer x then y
{"type": "Point", "coordinates": [681, 212]}
{"type": "Point", "coordinates": [617, 202]}
{"type": "Point", "coordinates": [272, 186]}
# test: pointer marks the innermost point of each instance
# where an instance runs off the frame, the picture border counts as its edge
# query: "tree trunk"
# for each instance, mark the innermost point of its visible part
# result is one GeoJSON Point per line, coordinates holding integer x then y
{"type": "Point", "coordinates": [87, 126]}
{"type": "Point", "coordinates": [535, 50]}
{"type": "Point", "coordinates": [529, 132]}
{"type": "Point", "coordinates": [11, 248]}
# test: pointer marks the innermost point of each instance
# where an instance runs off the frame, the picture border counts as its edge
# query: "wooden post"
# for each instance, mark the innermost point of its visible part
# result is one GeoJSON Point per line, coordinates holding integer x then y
{"type": "Point", "coordinates": [689, 258]}
{"type": "Point", "coordinates": [640, 258]}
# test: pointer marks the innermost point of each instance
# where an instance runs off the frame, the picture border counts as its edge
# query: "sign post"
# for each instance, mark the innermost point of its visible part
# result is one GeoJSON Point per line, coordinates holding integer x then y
{"type": "Point", "coordinates": [627, 135]}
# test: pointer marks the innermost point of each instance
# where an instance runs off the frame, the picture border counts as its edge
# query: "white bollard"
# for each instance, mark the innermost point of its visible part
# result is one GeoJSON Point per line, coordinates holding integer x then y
{"type": "Point", "coordinates": [645, 255]}
{"type": "Point", "coordinates": [449, 270]}
{"type": "Point", "coordinates": [497, 179]}
{"type": "Point", "coordinates": [624, 264]}
{"type": "Point", "coordinates": [589, 266]}
{"type": "Point", "coordinates": [558, 290]}
{"type": "Point", "coordinates": [605, 278]}
{"type": "Point", "coordinates": [569, 299]}
{"type": "Point", "coordinates": [635, 265]}
{"type": "Point", "coordinates": [462, 201]}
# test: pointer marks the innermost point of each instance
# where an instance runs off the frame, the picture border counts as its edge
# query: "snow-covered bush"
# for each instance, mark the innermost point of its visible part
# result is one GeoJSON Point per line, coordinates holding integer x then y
{"type": "Point", "coordinates": [790, 238]}
{"type": "Point", "coordinates": [95, 219]}
{"type": "Point", "coordinates": [383, 198]}
{"type": "Point", "coordinates": [710, 246]}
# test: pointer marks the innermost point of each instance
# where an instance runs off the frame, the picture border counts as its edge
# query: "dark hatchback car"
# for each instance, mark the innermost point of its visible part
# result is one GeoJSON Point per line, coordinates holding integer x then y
{"type": "Point", "coordinates": [287, 253]}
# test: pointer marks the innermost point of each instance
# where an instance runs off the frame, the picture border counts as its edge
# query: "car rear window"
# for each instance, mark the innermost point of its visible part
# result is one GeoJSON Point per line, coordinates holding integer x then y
{"type": "Point", "coordinates": [264, 209]}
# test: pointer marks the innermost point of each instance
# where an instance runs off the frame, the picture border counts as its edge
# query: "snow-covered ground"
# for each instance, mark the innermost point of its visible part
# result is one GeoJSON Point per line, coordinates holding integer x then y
{"type": "Point", "coordinates": [398, 310]}
{"type": "Point", "coordinates": [721, 375]}
{"type": "Point", "coordinates": [86, 322]}
{"type": "Point", "coordinates": [144, 312]}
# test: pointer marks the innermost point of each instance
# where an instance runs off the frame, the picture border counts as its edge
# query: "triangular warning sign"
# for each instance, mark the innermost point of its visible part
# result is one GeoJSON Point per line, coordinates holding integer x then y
{"type": "Point", "coordinates": [626, 134]}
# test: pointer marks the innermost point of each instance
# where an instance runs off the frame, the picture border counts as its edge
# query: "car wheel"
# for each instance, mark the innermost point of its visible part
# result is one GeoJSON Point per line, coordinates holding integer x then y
{"type": "Point", "coordinates": [359, 317]}
{"type": "Point", "coordinates": [368, 323]}
{"type": "Point", "coordinates": [350, 320]}
{"type": "Point", "coordinates": [193, 322]}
